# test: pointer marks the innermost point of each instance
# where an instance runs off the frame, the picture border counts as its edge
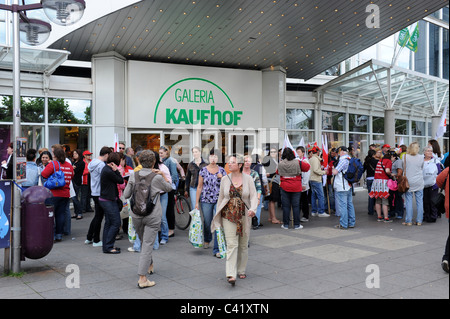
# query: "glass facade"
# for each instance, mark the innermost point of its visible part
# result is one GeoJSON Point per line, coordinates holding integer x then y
{"type": "Point", "coordinates": [68, 123]}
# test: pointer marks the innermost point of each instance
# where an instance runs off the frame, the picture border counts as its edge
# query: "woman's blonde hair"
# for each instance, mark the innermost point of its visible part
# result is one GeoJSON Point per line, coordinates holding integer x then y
{"type": "Point", "coordinates": [414, 148]}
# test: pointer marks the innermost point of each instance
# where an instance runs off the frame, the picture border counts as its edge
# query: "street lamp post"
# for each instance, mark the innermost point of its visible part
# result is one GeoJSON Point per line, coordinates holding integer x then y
{"type": "Point", "coordinates": [62, 12]}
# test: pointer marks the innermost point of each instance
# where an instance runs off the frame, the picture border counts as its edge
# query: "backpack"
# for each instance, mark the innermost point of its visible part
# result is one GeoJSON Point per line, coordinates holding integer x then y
{"type": "Point", "coordinates": [141, 202]}
{"type": "Point", "coordinates": [57, 179]}
{"type": "Point", "coordinates": [355, 170]}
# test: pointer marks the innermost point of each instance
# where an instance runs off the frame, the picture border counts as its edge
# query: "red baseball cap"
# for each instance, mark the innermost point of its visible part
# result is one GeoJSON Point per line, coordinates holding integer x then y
{"type": "Point", "coordinates": [86, 153]}
{"type": "Point", "coordinates": [386, 146]}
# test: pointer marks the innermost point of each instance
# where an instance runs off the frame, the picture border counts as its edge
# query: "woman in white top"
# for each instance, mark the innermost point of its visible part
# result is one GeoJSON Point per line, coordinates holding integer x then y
{"type": "Point", "coordinates": [430, 172]}
{"type": "Point", "coordinates": [413, 167]}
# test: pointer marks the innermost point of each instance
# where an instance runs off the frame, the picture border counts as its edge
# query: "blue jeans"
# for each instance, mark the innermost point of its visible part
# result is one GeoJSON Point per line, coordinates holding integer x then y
{"type": "Point", "coordinates": [371, 204]}
{"type": "Point", "coordinates": [344, 203]}
{"type": "Point", "coordinates": [288, 200]}
{"type": "Point", "coordinates": [193, 196]}
{"type": "Point", "coordinates": [112, 224]}
{"type": "Point", "coordinates": [258, 210]}
{"type": "Point", "coordinates": [59, 207]}
{"type": "Point", "coordinates": [409, 206]}
{"type": "Point", "coordinates": [317, 197]}
{"type": "Point", "coordinates": [164, 199]}
{"type": "Point", "coordinates": [209, 210]}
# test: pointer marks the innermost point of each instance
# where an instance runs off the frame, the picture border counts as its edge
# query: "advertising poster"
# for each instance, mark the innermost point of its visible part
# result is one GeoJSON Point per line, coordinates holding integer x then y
{"type": "Point", "coordinates": [21, 160]}
{"type": "Point", "coordinates": [5, 213]}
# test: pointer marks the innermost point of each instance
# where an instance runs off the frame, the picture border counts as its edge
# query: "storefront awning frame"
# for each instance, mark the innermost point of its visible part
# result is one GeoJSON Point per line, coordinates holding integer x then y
{"type": "Point", "coordinates": [385, 86]}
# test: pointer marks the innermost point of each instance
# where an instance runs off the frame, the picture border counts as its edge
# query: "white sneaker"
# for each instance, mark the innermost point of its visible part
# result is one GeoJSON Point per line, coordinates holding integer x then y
{"type": "Point", "coordinates": [87, 242]}
{"type": "Point", "coordinates": [324, 215]}
{"type": "Point", "coordinates": [99, 244]}
{"type": "Point", "coordinates": [298, 227]}
{"type": "Point", "coordinates": [284, 227]}
{"type": "Point", "coordinates": [314, 214]}
{"type": "Point", "coordinates": [303, 219]}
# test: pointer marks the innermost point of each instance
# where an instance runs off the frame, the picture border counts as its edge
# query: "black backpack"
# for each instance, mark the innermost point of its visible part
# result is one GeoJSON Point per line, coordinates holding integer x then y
{"type": "Point", "coordinates": [141, 202]}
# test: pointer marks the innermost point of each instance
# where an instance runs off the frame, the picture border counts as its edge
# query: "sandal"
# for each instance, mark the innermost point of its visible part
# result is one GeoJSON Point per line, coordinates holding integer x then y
{"type": "Point", "coordinates": [276, 221]}
{"type": "Point", "coordinates": [146, 284]}
{"type": "Point", "coordinates": [232, 281]}
{"type": "Point", "coordinates": [242, 276]}
{"type": "Point", "coordinates": [112, 251]}
{"type": "Point", "coordinates": [151, 270]}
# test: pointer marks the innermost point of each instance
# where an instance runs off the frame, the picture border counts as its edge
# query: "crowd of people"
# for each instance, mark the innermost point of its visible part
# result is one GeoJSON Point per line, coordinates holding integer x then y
{"type": "Point", "coordinates": [232, 197]}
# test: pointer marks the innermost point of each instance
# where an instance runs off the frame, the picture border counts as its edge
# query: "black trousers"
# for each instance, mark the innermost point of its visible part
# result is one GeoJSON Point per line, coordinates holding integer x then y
{"type": "Point", "coordinates": [430, 212]}
{"type": "Point", "coordinates": [96, 223]}
{"type": "Point", "coordinates": [170, 212]}
{"type": "Point", "coordinates": [304, 204]}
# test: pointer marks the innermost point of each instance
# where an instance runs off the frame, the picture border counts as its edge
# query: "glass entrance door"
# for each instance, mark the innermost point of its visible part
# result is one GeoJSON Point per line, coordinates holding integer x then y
{"type": "Point", "coordinates": [241, 143]}
{"type": "Point", "coordinates": [146, 140]}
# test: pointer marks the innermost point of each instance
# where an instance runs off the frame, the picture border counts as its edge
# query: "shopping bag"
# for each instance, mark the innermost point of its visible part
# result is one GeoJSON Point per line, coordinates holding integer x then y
{"type": "Point", "coordinates": [196, 229]}
{"type": "Point", "coordinates": [131, 230]}
{"type": "Point", "coordinates": [221, 242]}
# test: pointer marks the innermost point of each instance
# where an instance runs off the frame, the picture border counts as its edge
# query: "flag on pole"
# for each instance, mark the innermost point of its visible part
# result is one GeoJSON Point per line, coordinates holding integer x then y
{"type": "Point", "coordinates": [325, 150]}
{"type": "Point", "coordinates": [287, 144]}
{"type": "Point", "coordinates": [403, 37]}
{"type": "Point", "coordinates": [443, 125]}
{"type": "Point", "coordinates": [413, 40]}
{"type": "Point", "coordinates": [302, 142]}
{"type": "Point", "coordinates": [324, 157]}
{"type": "Point", "coordinates": [116, 142]}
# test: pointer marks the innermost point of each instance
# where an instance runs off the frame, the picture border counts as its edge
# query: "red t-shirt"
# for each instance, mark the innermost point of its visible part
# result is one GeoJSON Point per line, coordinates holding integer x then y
{"type": "Point", "coordinates": [379, 171]}
{"type": "Point", "coordinates": [67, 169]}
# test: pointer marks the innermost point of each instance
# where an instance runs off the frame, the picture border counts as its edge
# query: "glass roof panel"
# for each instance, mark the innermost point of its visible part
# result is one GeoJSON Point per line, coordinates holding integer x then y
{"type": "Point", "coordinates": [33, 60]}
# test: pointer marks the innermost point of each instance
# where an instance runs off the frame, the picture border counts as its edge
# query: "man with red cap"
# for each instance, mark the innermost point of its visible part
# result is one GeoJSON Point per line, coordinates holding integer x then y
{"type": "Point", "coordinates": [385, 149]}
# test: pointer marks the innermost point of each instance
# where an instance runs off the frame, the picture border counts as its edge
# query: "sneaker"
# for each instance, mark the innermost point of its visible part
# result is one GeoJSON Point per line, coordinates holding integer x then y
{"type": "Point", "coordinates": [284, 227]}
{"type": "Point", "coordinates": [314, 214]}
{"type": "Point", "coordinates": [99, 244]}
{"type": "Point", "coordinates": [380, 219]}
{"type": "Point", "coordinates": [324, 215]}
{"type": "Point", "coordinates": [444, 266]}
{"type": "Point", "coordinates": [87, 242]}
{"type": "Point", "coordinates": [304, 220]}
{"type": "Point", "coordinates": [339, 227]}
{"type": "Point", "coordinates": [132, 250]}
{"type": "Point", "coordinates": [163, 242]}
{"type": "Point", "coordinates": [298, 227]}
{"type": "Point", "coordinates": [387, 220]}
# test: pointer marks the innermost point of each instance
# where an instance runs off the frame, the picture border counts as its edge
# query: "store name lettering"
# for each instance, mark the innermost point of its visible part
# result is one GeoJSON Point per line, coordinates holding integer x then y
{"type": "Point", "coordinates": [192, 117]}
{"type": "Point", "coordinates": [210, 116]}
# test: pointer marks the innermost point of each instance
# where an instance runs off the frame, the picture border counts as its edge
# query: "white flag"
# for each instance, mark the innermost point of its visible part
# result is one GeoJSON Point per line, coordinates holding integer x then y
{"type": "Point", "coordinates": [287, 144]}
{"type": "Point", "coordinates": [443, 125]}
{"type": "Point", "coordinates": [302, 142]}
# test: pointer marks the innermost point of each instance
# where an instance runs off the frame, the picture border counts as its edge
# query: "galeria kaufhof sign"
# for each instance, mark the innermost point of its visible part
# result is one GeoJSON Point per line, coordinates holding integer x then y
{"type": "Point", "coordinates": [196, 101]}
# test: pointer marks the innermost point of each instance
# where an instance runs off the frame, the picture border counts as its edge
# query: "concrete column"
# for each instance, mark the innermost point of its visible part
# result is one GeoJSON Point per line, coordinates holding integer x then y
{"type": "Point", "coordinates": [274, 102]}
{"type": "Point", "coordinates": [389, 127]}
{"type": "Point", "coordinates": [109, 100]}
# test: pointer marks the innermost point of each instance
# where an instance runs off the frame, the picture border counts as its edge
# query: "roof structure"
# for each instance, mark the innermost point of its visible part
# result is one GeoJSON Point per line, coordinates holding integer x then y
{"type": "Point", "coordinates": [304, 37]}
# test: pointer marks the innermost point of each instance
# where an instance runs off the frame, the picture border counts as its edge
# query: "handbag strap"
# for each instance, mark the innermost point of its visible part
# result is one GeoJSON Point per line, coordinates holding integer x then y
{"type": "Point", "coordinates": [389, 176]}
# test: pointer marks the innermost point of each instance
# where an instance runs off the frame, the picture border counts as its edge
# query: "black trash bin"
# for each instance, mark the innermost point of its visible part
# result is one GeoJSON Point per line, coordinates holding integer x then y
{"type": "Point", "coordinates": [37, 222]}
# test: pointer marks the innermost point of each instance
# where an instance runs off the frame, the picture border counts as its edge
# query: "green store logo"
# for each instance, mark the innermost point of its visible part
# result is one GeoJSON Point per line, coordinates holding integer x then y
{"type": "Point", "coordinates": [195, 101]}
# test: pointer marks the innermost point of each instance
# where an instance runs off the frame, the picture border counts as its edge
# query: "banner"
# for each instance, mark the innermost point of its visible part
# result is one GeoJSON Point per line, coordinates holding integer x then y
{"type": "Point", "coordinates": [442, 125]}
{"type": "Point", "coordinates": [413, 40]}
{"type": "Point", "coordinates": [403, 37]}
{"type": "Point", "coordinates": [5, 213]}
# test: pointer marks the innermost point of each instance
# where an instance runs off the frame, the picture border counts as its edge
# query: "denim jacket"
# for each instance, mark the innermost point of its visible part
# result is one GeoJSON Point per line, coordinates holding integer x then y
{"type": "Point", "coordinates": [173, 171]}
{"type": "Point", "coordinates": [33, 173]}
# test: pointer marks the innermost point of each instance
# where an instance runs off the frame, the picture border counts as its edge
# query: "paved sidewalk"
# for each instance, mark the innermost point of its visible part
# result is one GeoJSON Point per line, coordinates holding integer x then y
{"type": "Point", "coordinates": [315, 262]}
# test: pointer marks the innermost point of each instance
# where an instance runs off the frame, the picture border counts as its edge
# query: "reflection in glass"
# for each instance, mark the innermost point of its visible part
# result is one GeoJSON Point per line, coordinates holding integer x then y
{"type": "Point", "coordinates": [359, 123]}
{"type": "Point", "coordinates": [69, 111]}
{"type": "Point", "coordinates": [298, 119]}
{"type": "Point", "coordinates": [73, 137]}
{"type": "Point", "coordinates": [332, 121]}
{"type": "Point", "coordinates": [32, 109]}
{"type": "Point", "coordinates": [401, 127]}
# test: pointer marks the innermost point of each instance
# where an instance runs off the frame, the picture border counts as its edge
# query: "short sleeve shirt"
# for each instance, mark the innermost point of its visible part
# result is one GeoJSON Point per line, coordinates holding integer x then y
{"type": "Point", "coordinates": [211, 185]}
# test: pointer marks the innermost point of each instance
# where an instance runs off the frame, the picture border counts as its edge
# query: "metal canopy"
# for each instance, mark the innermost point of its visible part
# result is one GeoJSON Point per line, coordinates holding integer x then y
{"type": "Point", "coordinates": [304, 37]}
{"type": "Point", "coordinates": [33, 60]}
{"type": "Point", "coordinates": [380, 84]}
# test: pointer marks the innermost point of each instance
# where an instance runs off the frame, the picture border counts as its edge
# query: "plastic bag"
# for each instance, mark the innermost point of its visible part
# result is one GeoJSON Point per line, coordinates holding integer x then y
{"type": "Point", "coordinates": [196, 229]}
{"type": "Point", "coordinates": [221, 242]}
{"type": "Point", "coordinates": [131, 230]}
